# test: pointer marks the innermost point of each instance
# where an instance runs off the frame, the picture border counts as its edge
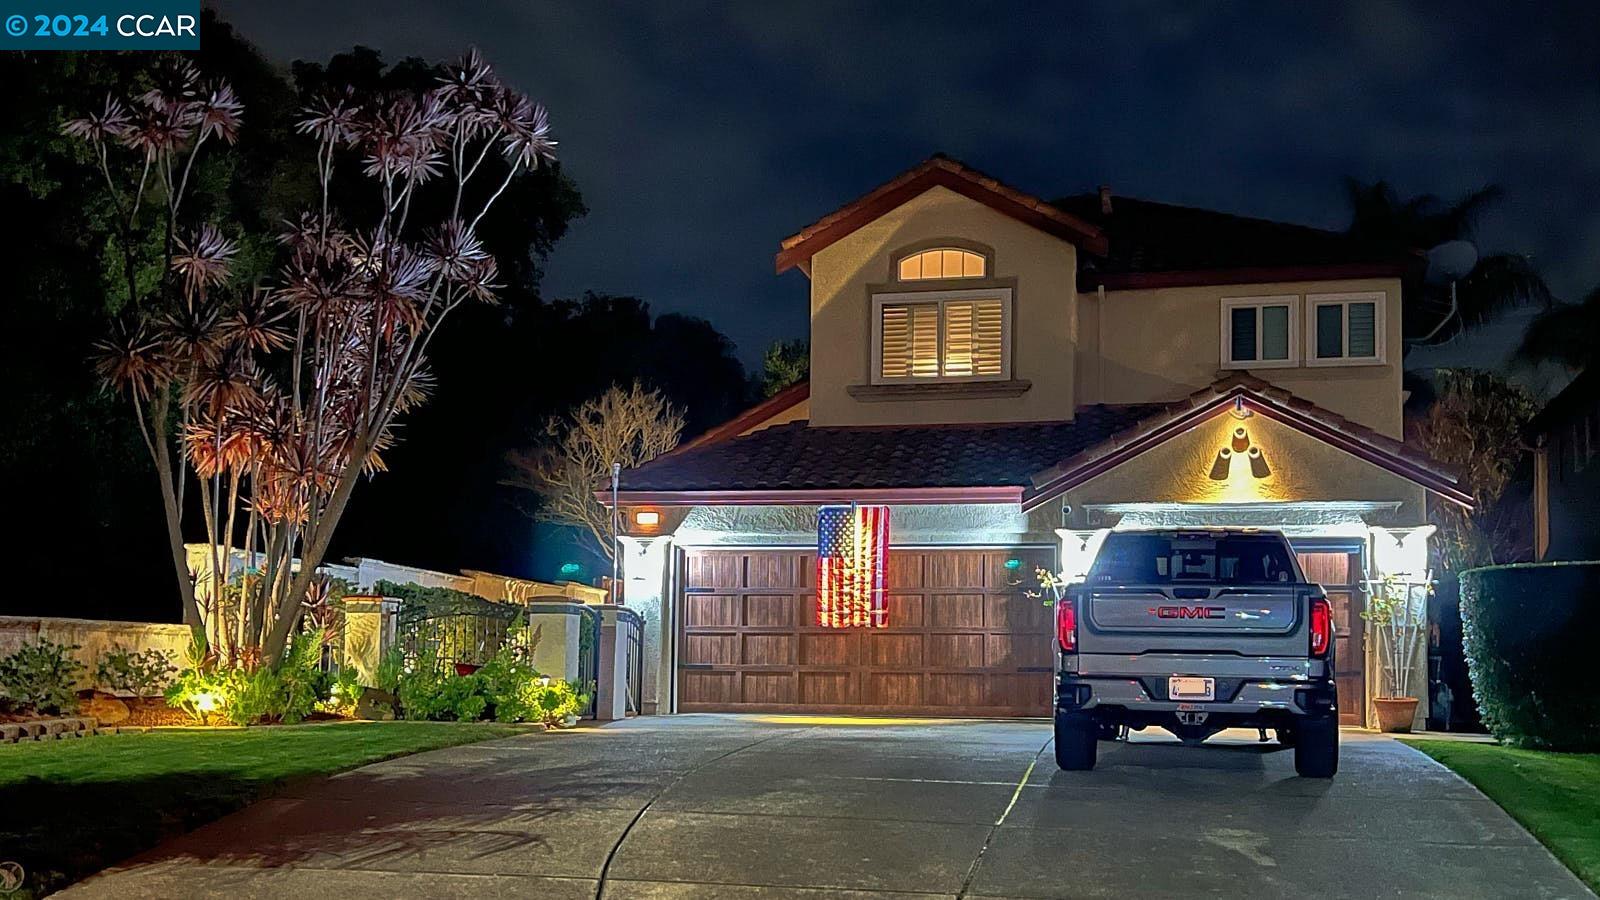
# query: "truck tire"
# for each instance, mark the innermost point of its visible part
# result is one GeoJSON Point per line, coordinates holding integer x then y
{"type": "Point", "coordinates": [1316, 747]}
{"type": "Point", "coordinates": [1076, 741]}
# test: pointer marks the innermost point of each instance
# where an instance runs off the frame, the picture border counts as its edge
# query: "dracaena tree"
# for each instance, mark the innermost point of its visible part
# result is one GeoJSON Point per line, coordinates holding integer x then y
{"type": "Point", "coordinates": [272, 400]}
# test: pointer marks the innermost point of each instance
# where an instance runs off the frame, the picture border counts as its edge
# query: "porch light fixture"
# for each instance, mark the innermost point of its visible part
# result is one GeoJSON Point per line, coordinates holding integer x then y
{"type": "Point", "coordinates": [1240, 411]}
{"type": "Point", "coordinates": [647, 518]}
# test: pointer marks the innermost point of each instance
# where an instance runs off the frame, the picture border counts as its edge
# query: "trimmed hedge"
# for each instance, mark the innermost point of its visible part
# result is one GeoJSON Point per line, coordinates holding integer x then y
{"type": "Point", "coordinates": [1530, 632]}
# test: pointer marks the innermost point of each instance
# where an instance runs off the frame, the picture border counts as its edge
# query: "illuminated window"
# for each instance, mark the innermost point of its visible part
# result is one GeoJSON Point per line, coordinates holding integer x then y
{"type": "Point", "coordinates": [950, 336]}
{"type": "Point", "coordinates": [942, 262]}
{"type": "Point", "coordinates": [1259, 332]}
{"type": "Point", "coordinates": [1344, 329]}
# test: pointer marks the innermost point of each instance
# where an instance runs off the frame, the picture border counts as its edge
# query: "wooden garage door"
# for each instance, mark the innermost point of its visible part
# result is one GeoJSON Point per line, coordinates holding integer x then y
{"type": "Point", "coordinates": [962, 638]}
{"type": "Point", "coordinates": [1339, 573]}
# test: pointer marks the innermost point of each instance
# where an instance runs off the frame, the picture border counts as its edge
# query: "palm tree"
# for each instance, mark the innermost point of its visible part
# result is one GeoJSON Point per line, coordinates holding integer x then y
{"type": "Point", "coordinates": [1566, 334]}
{"type": "Point", "coordinates": [1382, 219]}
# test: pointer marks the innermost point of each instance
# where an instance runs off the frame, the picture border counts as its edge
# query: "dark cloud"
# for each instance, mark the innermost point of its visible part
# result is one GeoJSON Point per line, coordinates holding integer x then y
{"type": "Point", "coordinates": [701, 134]}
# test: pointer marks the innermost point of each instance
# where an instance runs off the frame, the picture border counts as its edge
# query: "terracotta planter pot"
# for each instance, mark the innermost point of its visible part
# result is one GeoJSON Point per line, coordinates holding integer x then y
{"type": "Point", "coordinates": [1395, 714]}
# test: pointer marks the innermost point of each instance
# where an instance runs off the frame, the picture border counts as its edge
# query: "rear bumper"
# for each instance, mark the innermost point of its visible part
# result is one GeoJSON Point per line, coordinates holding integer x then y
{"type": "Point", "coordinates": [1245, 700]}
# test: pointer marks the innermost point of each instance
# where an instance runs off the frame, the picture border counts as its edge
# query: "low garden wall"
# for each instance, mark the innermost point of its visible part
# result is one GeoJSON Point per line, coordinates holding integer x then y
{"type": "Point", "coordinates": [92, 638]}
{"type": "Point", "coordinates": [1529, 633]}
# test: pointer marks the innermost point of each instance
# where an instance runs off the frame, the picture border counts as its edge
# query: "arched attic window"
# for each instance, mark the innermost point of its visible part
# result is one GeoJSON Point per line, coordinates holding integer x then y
{"type": "Point", "coordinates": [942, 263]}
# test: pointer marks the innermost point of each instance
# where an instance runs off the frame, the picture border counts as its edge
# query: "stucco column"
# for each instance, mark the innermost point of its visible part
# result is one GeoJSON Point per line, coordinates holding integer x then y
{"type": "Point", "coordinates": [369, 632]}
{"type": "Point", "coordinates": [644, 590]}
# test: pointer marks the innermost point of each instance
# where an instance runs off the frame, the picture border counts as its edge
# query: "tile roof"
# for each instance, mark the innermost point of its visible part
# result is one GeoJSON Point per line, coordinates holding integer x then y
{"type": "Point", "coordinates": [1144, 236]}
{"type": "Point", "coordinates": [1137, 238]}
{"type": "Point", "coordinates": [795, 457]}
{"type": "Point", "coordinates": [1042, 458]}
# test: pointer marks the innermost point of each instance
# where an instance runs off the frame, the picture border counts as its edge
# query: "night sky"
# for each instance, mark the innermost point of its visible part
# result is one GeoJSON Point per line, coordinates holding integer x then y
{"type": "Point", "coordinates": [702, 134]}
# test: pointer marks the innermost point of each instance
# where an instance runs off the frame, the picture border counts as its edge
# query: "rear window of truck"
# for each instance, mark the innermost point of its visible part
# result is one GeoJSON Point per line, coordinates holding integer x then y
{"type": "Point", "coordinates": [1192, 559]}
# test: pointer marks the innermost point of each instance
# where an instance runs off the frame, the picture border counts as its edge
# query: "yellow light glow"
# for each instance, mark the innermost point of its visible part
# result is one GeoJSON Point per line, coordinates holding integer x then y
{"type": "Point", "coordinates": [205, 701]}
{"type": "Point", "coordinates": [647, 518]}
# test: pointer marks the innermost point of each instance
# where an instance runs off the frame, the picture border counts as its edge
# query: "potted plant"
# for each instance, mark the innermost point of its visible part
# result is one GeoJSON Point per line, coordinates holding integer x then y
{"type": "Point", "coordinates": [1397, 612]}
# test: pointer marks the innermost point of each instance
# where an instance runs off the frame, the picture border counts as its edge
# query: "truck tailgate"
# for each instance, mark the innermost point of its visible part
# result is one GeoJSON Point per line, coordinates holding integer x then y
{"type": "Point", "coordinates": [1254, 620]}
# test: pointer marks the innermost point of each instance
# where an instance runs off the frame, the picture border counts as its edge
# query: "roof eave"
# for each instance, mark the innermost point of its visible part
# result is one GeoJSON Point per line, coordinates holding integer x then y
{"type": "Point", "coordinates": [1078, 470]}
{"type": "Point", "coordinates": [906, 496]}
{"type": "Point", "coordinates": [798, 248]}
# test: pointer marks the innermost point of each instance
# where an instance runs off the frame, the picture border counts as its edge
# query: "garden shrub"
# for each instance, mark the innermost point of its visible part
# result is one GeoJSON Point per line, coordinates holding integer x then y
{"type": "Point", "coordinates": [506, 688]}
{"type": "Point", "coordinates": [285, 693]}
{"type": "Point", "coordinates": [142, 674]}
{"type": "Point", "coordinates": [1529, 633]}
{"type": "Point", "coordinates": [42, 676]}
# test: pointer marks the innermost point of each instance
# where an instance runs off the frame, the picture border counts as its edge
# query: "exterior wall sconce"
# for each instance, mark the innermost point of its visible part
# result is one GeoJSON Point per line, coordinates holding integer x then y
{"type": "Point", "coordinates": [1240, 411]}
{"type": "Point", "coordinates": [646, 518]}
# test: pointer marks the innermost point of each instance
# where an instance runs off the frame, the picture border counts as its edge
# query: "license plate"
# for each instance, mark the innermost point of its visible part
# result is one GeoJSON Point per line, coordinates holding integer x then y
{"type": "Point", "coordinates": [1180, 687]}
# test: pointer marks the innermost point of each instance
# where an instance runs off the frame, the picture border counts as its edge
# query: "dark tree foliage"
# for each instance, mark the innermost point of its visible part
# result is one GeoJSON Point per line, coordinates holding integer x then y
{"type": "Point", "coordinates": [70, 451]}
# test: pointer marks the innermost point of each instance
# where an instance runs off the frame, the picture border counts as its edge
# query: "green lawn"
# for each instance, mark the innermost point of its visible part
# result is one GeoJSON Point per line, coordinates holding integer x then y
{"type": "Point", "coordinates": [1556, 796]}
{"type": "Point", "coordinates": [71, 808]}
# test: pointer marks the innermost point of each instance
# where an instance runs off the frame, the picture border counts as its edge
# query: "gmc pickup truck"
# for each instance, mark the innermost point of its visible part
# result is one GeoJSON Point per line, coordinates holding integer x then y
{"type": "Point", "coordinates": [1195, 631]}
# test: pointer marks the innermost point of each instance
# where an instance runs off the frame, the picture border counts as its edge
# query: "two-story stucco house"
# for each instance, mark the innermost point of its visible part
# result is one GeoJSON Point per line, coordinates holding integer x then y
{"type": "Point", "coordinates": [1013, 378]}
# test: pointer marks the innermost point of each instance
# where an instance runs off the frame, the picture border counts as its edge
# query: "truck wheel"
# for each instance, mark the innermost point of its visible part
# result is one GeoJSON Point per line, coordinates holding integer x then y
{"type": "Point", "coordinates": [1316, 747]}
{"type": "Point", "coordinates": [1076, 740]}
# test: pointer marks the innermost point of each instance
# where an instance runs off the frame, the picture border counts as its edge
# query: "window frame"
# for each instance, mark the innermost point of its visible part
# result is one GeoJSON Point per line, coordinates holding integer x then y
{"type": "Point", "coordinates": [944, 243]}
{"type": "Point", "coordinates": [1379, 299]}
{"type": "Point", "coordinates": [941, 297]}
{"type": "Point", "coordinates": [1229, 304]}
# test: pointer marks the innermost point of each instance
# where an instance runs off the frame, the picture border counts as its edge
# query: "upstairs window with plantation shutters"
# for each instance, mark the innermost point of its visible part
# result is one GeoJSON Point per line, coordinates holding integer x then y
{"type": "Point", "coordinates": [946, 336]}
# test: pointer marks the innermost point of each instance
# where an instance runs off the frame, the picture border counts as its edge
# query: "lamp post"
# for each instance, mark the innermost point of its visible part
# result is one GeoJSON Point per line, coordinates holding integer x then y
{"type": "Point", "coordinates": [616, 551]}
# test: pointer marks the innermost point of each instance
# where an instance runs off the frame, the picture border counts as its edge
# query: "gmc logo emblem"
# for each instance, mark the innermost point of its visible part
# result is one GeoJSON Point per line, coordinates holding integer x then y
{"type": "Point", "coordinates": [1189, 612]}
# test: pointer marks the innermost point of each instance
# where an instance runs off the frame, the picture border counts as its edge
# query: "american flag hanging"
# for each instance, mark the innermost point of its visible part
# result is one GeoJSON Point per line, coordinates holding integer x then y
{"type": "Point", "coordinates": [852, 551]}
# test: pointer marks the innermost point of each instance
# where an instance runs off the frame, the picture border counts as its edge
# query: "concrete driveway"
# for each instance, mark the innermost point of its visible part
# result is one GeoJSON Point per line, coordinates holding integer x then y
{"type": "Point", "coordinates": [728, 806]}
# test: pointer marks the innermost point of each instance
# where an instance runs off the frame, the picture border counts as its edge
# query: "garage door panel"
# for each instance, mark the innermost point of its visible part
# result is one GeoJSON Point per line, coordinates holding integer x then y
{"type": "Point", "coordinates": [1018, 613]}
{"type": "Point", "coordinates": [902, 689]}
{"type": "Point", "coordinates": [1010, 652]}
{"type": "Point", "coordinates": [768, 687]}
{"type": "Point", "coordinates": [957, 690]}
{"type": "Point", "coordinates": [836, 649]}
{"type": "Point", "coordinates": [896, 651]}
{"type": "Point", "coordinates": [1020, 575]}
{"type": "Point", "coordinates": [1021, 691]}
{"type": "Point", "coordinates": [720, 569]}
{"type": "Point", "coordinates": [769, 650]}
{"type": "Point", "coordinates": [829, 689]}
{"type": "Point", "coordinates": [769, 611]}
{"type": "Point", "coordinates": [717, 688]}
{"type": "Point", "coordinates": [956, 650]}
{"type": "Point", "coordinates": [712, 611]}
{"type": "Point", "coordinates": [905, 569]}
{"type": "Point", "coordinates": [957, 632]}
{"type": "Point", "coordinates": [955, 611]}
{"type": "Point", "coordinates": [955, 569]}
{"type": "Point", "coordinates": [711, 649]}
{"type": "Point", "coordinates": [771, 571]}
{"type": "Point", "coordinates": [905, 610]}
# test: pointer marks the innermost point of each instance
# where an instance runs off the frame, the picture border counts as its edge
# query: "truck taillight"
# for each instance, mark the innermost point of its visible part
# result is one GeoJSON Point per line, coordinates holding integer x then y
{"type": "Point", "coordinates": [1321, 626]}
{"type": "Point", "coordinates": [1067, 624]}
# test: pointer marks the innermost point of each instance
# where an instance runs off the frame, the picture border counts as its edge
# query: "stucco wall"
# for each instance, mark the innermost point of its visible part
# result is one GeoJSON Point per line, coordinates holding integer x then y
{"type": "Point", "coordinates": [93, 638]}
{"type": "Point", "coordinates": [1042, 330]}
{"type": "Point", "coordinates": [1146, 345]}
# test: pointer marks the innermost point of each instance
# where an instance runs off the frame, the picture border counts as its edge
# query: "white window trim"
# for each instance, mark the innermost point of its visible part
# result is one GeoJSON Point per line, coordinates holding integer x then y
{"type": "Point", "coordinates": [1229, 304]}
{"type": "Point", "coordinates": [940, 297]}
{"type": "Point", "coordinates": [1379, 327]}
